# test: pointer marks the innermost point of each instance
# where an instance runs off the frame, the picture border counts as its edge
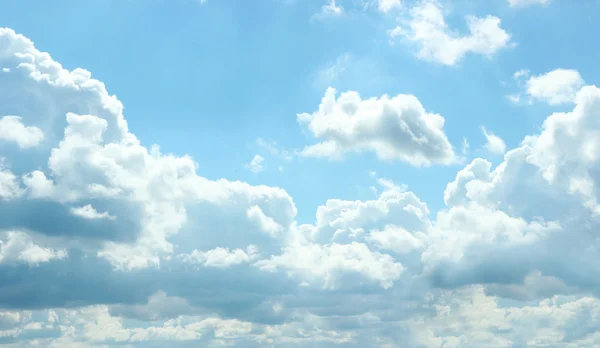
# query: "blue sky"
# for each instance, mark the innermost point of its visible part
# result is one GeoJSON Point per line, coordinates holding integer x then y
{"type": "Point", "coordinates": [311, 152]}
{"type": "Point", "coordinates": [228, 73]}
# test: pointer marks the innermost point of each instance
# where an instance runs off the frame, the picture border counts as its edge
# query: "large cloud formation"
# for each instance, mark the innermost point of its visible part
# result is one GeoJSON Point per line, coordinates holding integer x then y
{"type": "Point", "coordinates": [396, 128]}
{"type": "Point", "coordinates": [104, 242]}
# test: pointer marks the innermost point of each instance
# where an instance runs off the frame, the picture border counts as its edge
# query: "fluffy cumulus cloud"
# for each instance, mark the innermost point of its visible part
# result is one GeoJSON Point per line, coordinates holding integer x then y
{"type": "Point", "coordinates": [11, 129]}
{"type": "Point", "coordinates": [555, 87]}
{"type": "Point", "coordinates": [394, 128]}
{"type": "Point", "coordinates": [426, 28]}
{"type": "Point", "coordinates": [104, 242]}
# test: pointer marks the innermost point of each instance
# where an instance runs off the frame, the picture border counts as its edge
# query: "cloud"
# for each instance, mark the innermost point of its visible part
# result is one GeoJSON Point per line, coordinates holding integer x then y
{"type": "Point", "coordinates": [555, 87]}
{"type": "Point", "coordinates": [396, 128]}
{"type": "Point", "coordinates": [221, 257]}
{"type": "Point", "coordinates": [330, 9]}
{"type": "Point", "coordinates": [327, 263]}
{"type": "Point", "coordinates": [11, 129]}
{"type": "Point", "coordinates": [9, 183]}
{"type": "Point", "coordinates": [19, 247]}
{"type": "Point", "coordinates": [189, 261]}
{"type": "Point", "coordinates": [89, 212]}
{"type": "Point", "coordinates": [330, 73]}
{"type": "Point", "coordinates": [386, 6]}
{"type": "Point", "coordinates": [428, 30]}
{"type": "Point", "coordinates": [526, 3]}
{"type": "Point", "coordinates": [256, 164]}
{"type": "Point", "coordinates": [274, 149]}
{"type": "Point", "coordinates": [493, 143]}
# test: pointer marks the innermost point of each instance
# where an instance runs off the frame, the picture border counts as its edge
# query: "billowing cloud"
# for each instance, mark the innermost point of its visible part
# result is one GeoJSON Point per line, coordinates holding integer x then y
{"type": "Point", "coordinates": [394, 128]}
{"type": "Point", "coordinates": [19, 247]}
{"type": "Point", "coordinates": [426, 28]}
{"type": "Point", "coordinates": [11, 129]}
{"type": "Point", "coordinates": [104, 242]}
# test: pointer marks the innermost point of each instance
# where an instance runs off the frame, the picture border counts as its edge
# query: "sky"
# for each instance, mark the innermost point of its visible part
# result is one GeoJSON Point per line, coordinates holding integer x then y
{"type": "Point", "coordinates": [299, 173]}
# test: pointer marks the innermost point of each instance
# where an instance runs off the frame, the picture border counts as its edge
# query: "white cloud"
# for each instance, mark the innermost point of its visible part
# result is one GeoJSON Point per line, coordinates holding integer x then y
{"type": "Point", "coordinates": [493, 143]}
{"type": "Point", "coordinates": [221, 257]}
{"type": "Point", "coordinates": [13, 130]}
{"type": "Point", "coordinates": [256, 164]}
{"type": "Point", "coordinates": [328, 263]}
{"type": "Point", "coordinates": [427, 28]}
{"type": "Point", "coordinates": [555, 87]}
{"type": "Point", "coordinates": [264, 222]}
{"type": "Point", "coordinates": [9, 183]}
{"type": "Point", "coordinates": [526, 3]}
{"type": "Point", "coordinates": [396, 238]}
{"type": "Point", "coordinates": [332, 9]}
{"type": "Point", "coordinates": [89, 212]}
{"type": "Point", "coordinates": [396, 128]}
{"type": "Point", "coordinates": [19, 247]}
{"type": "Point", "coordinates": [388, 5]}
{"type": "Point", "coordinates": [520, 74]}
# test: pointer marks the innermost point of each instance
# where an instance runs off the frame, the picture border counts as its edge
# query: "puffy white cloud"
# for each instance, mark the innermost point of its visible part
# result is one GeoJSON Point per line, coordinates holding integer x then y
{"type": "Point", "coordinates": [555, 87]}
{"type": "Point", "coordinates": [396, 128]}
{"type": "Point", "coordinates": [329, 263]}
{"type": "Point", "coordinates": [330, 9]}
{"type": "Point", "coordinates": [388, 5]}
{"type": "Point", "coordinates": [559, 86]}
{"type": "Point", "coordinates": [397, 239]}
{"type": "Point", "coordinates": [427, 28]}
{"type": "Point", "coordinates": [89, 212]}
{"type": "Point", "coordinates": [9, 183]}
{"type": "Point", "coordinates": [493, 143]}
{"type": "Point", "coordinates": [19, 247]}
{"type": "Point", "coordinates": [526, 3]}
{"type": "Point", "coordinates": [221, 257]}
{"type": "Point", "coordinates": [13, 130]}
